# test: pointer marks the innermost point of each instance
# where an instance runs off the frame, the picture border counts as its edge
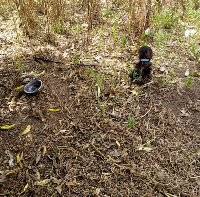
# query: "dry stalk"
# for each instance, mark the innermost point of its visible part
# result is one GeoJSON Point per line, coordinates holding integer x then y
{"type": "Point", "coordinates": [13, 20]}
{"type": "Point", "coordinates": [139, 15]}
{"type": "Point", "coordinates": [132, 14]}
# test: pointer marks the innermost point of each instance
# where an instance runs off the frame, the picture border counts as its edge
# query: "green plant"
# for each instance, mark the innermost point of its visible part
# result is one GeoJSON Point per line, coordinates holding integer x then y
{"type": "Point", "coordinates": [112, 81]}
{"type": "Point", "coordinates": [104, 63]}
{"type": "Point", "coordinates": [44, 64]}
{"type": "Point", "coordinates": [57, 28]}
{"type": "Point", "coordinates": [189, 82]}
{"type": "Point", "coordinates": [144, 42]}
{"type": "Point", "coordinates": [165, 19]}
{"type": "Point", "coordinates": [19, 65]}
{"type": "Point", "coordinates": [102, 108]}
{"type": "Point", "coordinates": [99, 45]}
{"type": "Point", "coordinates": [161, 39]}
{"type": "Point", "coordinates": [114, 35]}
{"type": "Point", "coordinates": [78, 27]}
{"type": "Point", "coordinates": [124, 76]}
{"type": "Point", "coordinates": [160, 80]}
{"type": "Point", "coordinates": [172, 75]}
{"type": "Point", "coordinates": [75, 59]}
{"type": "Point", "coordinates": [98, 78]}
{"type": "Point", "coordinates": [195, 49]}
{"type": "Point", "coordinates": [131, 122]}
{"type": "Point", "coordinates": [123, 41]}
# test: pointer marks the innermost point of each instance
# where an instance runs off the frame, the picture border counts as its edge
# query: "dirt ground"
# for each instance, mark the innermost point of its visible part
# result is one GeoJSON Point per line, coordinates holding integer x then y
{"type": "Point", "coordinates": [88, 148]}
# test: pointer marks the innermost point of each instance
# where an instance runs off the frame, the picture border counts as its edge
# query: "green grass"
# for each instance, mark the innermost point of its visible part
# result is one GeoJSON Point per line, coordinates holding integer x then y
{"type": "Point", "coordinates": [189, 82]}
{"type": "Point", "coordinates": [131, 122]}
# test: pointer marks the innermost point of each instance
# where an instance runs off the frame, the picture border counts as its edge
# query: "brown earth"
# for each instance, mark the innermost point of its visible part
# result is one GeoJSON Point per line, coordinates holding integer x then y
{"type": "Point", "coordinates": [84, 151]}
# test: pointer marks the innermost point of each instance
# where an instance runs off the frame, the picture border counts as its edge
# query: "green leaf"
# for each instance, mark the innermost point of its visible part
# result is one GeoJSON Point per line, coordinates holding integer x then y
{"type": "Point", "coordinates": [143, 36]}
{"type": "Point", "coordinates": [75, 60]}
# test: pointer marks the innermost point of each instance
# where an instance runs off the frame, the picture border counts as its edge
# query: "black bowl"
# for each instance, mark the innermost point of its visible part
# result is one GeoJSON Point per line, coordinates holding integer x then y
{"type": "Point", "coordinates": [33, 87]}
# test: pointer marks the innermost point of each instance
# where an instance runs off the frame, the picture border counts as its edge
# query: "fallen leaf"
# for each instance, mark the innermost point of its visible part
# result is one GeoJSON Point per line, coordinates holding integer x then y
{"type": "Point", "coordinates": [118, 144]}
{"type": "Point", "coordinates": [19, 158]}
{"type": "Point", "coordinates": [26, 130]}
{"type": "Point", "coordinates": [24, 189]}
{"type": "Point", "coordinates": [134, 92]}
{"type": "Point", "coordinates": [19, 88]}
{"type": "Point", "coordinates": [18, 148]}
{"type": "Point", "coordinates": [55, 110]}
{"type": "Point", "coordinates": [187, 72]}
{"type": "Point", "coordinates": [55, 180]}
{"type": "Point", "coordinates": [12, 171]}
{"type": "Point", "coordinates": [63, 130]}
{"type": "Point", "coordinates": [169, 195]}
{"type": "Point", "coordinates": [184, 112]}
{"type": "Point", "coordinates": [41, 183]}
{"type": "Point", "coordinates": [37, 174]}
{"type": "Point", "coordinates": [196, 74]}
{"type": "Point", "coordinates": [44, 150]}
{"type": "Point", "coordinates": [7, 126]}
{"type": "Point", "coordinates": [142, 147]}
{"type": "Point", "coordinates": [73, 183]}
{"type": "Point", "coordinates": [59, 189]}
{"type": "Point", "coordinates": [97, 191]}
{"type": "Point", "coordinates": [38, 155]}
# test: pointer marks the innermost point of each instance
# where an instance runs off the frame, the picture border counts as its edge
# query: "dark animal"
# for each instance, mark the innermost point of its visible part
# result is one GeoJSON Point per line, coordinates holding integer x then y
{"type": "Point", "coordinates": [141, 74]}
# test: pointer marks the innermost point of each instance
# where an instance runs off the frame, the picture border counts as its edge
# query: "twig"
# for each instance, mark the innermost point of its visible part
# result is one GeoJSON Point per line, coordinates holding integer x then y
{"type": "Point", "coordinates": [146, 112]}
{"type": "Point", "coordinates": [37, 59]}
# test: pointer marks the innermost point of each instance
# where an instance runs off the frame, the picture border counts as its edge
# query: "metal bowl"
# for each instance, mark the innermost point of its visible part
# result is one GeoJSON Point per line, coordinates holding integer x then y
{"type": "Point", "coordinates": [33, 87]}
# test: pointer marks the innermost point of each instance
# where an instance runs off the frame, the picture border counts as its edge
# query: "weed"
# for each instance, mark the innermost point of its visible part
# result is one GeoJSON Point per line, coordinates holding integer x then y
{"type": "Point", "coordinates": [124, 76]}
{"type": "Point", "coordinates": [189, 82]}
{"type": "Point", "coordinates": [144, 42]}
{"type": "Point", "coordinates": [98, 78]}
{"type": "Point", "coordinates": [58, 148]}
{"type": "Point", "coordinates": [194, 48]}
{"type": "Point", "coordinates": [161, 39]}
{"type": "Point", "coordinates": [165, 19]}
{"type": "Point", "coordinates": [78, 27]}
{"type": "Point", "coordinates": [19, 65]}
{"type": "Point", "coordinates": [57, 28]}
{"type": "Point", "coordinates": [114, 35]}
{"type": "Point", "coordinates": [99, 45]}
{"type": "Point", "coordinates": [63, 68]}
{"type": "Point", "coordinates": [172, 76]}
{"type": "Point", "coordinates": [43, 64]}
{"type": "Point", "coordinates": [75, 59]}
{"type": "Point", "coordinates": [104, 63]}
{"type": "Point", "coordinates": [160, 80]}
{"type": "Point", "coordinates": [131, 122]}
{"type": "Point", "coordinates": [112, 81]}
{"type": "Point", "coordinates": [123, 41]}
{"type": "Point", "coordinates": [145, 140]}
{"type": "Point", "coordinates": [102, 108]}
